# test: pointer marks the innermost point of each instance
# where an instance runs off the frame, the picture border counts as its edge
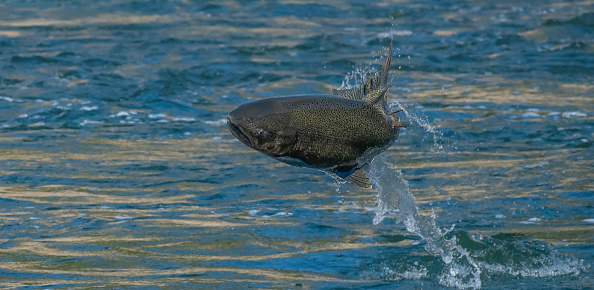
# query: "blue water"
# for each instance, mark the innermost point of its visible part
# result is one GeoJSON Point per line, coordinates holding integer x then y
{"type": "Point", "coordinates": [117, 169]}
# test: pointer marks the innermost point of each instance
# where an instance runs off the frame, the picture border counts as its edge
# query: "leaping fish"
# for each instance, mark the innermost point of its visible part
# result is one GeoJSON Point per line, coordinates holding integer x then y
{"type": "Point", "coordinates": [339, 133]}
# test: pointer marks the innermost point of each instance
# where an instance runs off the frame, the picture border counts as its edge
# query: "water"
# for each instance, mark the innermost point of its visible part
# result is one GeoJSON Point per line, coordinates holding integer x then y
{"type": "Point", "coordinates": [116, 167]}
{"type": "Point", "coordinates": [464, 257]}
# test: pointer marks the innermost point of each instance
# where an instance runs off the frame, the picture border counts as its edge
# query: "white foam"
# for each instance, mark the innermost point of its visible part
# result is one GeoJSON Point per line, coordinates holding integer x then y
{"type": "Point", "coordinates": [573, 114]}
{"type": "Point", "coordinates": [183, 119]}
{"type": "Point", "coordinates": [86, 122]}
{"type": "Point", "coordinates": [282, 213]}
{"type": "Point", "coordinates": [122, 114]}
{"type": "Point", "coordinates": [530, 115]}
{"type": "Point", "coordinates": [217, 122]}
{"type": "Point", "coordinates": [394, 32]}
{"type": "Point", "coordinates": [157, 116]}
{"type": "Point", "coordinates": [392, 275]}
{"type": "Point", "coordinates": [87, 108]}
{"type": "Point", "coordinates": [117, 217]}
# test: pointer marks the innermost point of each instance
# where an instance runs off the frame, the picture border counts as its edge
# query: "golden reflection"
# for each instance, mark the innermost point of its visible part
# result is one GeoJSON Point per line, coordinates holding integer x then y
{"type": "Point", "coordinates": [43, 249]}
{"type": "Point", "coordinates": [573, 4]}
{"type": "Point", "coordinates": [120, 19]}
{"type": "Point", "coordinates": [55, 195]}
{"type": "Point", "coordinates": [447, 32]}
{"type": "Point", "coordinates": [537, 35]}
{"type": "Point", "coordinates": [308, 249]}
{"type": "Point", "coordinates": [193, 223]}
{"type": "Point", "coordinates": [489, 90]}
{"type": "Point", "coordinates": [10, 33]}
{"type": "Point", "coordinates": [269, 274]}
{"type": "Point", "coordinates": [97, 239]}
{"type": "Point", "coordinates": [556, 235]}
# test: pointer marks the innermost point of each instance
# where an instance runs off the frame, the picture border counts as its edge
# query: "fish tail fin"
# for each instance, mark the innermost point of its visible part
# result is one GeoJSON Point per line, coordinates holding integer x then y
{"type": "Point", "coordinates": [378, 86]}
{"type": "Point", "coordinates": [383, 76]}
{"type": "Point", "coordinates": [374, 89]}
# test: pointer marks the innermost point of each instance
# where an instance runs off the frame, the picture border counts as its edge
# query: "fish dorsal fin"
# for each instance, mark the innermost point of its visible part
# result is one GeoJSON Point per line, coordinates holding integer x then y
{"type": "Point", "coordinates": [374, 88]}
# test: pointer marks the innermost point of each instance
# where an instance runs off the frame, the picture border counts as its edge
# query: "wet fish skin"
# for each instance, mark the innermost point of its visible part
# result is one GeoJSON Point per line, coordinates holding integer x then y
{"type": "Point", "coordinates": [339, 133]}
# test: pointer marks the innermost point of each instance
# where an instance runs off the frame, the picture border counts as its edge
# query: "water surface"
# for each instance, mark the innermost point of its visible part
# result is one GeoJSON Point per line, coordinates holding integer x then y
{"type": "Point", "coordinates": [117, 169]}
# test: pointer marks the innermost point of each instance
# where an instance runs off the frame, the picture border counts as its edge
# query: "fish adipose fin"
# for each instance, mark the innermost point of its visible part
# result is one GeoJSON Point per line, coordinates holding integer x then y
{"type": "Point", "coordinates": [356, 176]}
{"type": "Point", "coordinates": [374, 89]}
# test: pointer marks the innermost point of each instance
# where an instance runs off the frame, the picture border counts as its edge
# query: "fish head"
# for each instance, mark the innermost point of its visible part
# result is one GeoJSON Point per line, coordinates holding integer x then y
{"type": "Point", "coordinates": [262, 125]}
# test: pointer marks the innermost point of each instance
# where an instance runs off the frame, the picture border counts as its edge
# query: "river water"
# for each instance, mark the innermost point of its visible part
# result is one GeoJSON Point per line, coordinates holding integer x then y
{"type": "Point", "coordinates": [117, 169]}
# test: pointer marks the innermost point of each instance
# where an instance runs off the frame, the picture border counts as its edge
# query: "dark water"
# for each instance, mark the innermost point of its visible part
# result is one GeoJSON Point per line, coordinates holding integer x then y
{"type": "Point", "coordinates": [117, 169]}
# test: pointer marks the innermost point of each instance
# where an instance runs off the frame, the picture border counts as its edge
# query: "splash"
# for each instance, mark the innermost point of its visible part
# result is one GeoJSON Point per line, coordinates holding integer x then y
{"type": "Point", "coordinates": [416, 119]}
{"type": "Point", "coordinates": [466, 261]}
{"type": "Point", "coordinates": [359, 76]}
{"type": "Point", "coordinates": [393, 193]}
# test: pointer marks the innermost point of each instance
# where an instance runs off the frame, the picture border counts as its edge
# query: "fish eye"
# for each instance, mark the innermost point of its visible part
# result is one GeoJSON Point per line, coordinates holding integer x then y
{"type": "Point", "coordinates": [262, 132]}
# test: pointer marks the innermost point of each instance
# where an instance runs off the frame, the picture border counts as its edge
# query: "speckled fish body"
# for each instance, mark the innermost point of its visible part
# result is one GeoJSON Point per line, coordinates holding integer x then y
{"type": "Point", "coordinates": [339, 133]}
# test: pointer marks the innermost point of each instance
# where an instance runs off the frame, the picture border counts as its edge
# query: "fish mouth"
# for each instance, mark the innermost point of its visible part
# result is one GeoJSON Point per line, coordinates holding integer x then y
{"type": "Point", "coordinates": [238, 133]}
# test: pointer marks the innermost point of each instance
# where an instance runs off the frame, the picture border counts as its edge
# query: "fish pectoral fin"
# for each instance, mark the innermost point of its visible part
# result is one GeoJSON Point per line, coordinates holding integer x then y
{"type": "Point", "coordinates": [360, 178]}
{"type": "Point", "coordinates": [356, 176]}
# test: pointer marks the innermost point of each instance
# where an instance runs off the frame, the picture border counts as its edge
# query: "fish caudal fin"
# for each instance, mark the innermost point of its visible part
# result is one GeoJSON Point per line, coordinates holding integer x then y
{"type": "Point", "coordinates": [375, 88]}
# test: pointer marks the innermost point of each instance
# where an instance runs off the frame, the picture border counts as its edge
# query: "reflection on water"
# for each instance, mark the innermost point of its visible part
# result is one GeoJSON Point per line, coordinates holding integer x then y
{"type": "Point", "coordinates": [116, 167]}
